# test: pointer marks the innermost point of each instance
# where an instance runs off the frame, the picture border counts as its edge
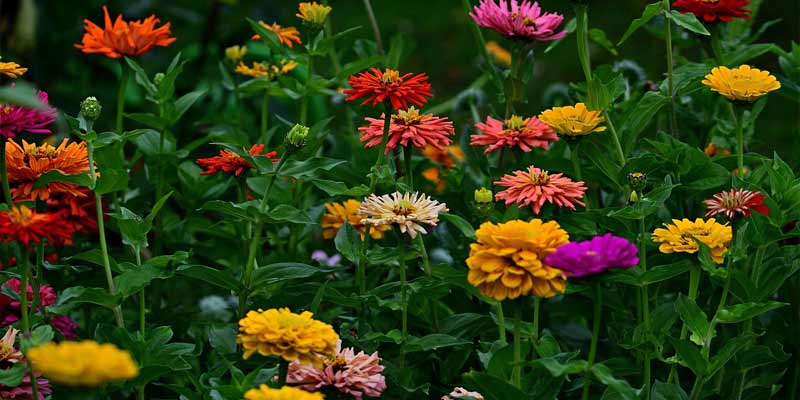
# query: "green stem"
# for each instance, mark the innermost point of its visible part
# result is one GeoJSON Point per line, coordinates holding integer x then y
{"type": "Point", "coordinates": [535, 335]}
{"type": "Point", "coordinates": [123, 86]}
{"type": "Point", "coordinates": [283, 371]}
{"type": "Point", "coordinates": [501, 324]}
{"type": "Point", "coordinates": [709, 335]}
{"type": "Point", "coordinates": [582, 35]}
{"type": "Point", "coordinates": [739, 140]}
{"type": "Point", "coordinates": [748, 325]}
{"type": "Point", "coordinates": [304, 104]}
{"type": "Point", "coordinates": [426, 266]}
{"type": "Point", "coordinates": [23, 299]}
{"type": "Point", "coordinates": [576, 162]}
{"type": "Point", "coordinates": [373, 22]}
{"type": "Point", "coordinates": [408, 151]}
{"type": "Point", "coordinates": [387, 121]}
{"type": "Point", "coordinates": [4, 174]}
{"type": "Point", "coordinates": [615, 139]}
{"type": "Point", "coordinates": [516, 372]}
{"type": "Point", "coordinates": [265, 117]}
{"type": "Point", "coordinates": [645, 299]}
{"type": "Point", "coordinates": [716, 45]}
{"type": "Point", "coordinates": [403, 300]}
{"type": "Point", "coordinates": [694, 285]}
{"type": "Point", "coordinates": [697, 387]}
{"type": "Point", "coordinates": [670, 62]}
{"type": "Point", "coordinates": [337, 66]}
{"type": "Point", "coordinates": [142, 309]}
{"type": "Point", "coordinates": [481, 42]}
{"type": "Point", "coordinates": [596, 316]}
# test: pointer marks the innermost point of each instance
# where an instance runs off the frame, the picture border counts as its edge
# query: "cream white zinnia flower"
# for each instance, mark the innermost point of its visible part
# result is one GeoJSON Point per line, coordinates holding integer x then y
{"type": "Point", "coordinates": [407, 210]}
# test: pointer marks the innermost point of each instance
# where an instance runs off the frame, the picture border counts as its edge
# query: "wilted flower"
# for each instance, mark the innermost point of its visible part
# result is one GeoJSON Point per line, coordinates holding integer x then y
{"type": "Point", "coordinates": [742, 83]}
{"type": "Point", "coordinates": [313, 13]}
{"type": "Point", "coordinates": [84, 363]}
{"type": "Point", "coordinates": [498, 53]}
{"type": "Point", "coordinates": [534, 187]}
{"type": "Point", "coordinates": [461, 393]}
{"type": "Point", "coordinates": [91, 108]}
{"type": "Point", "coordinates": [358, 375]}
{"type": "Point", "coordinates": [712, 10]}
{"type": "Point", "coordinates": [286, 35]}
{"type": "Point", "coordinates": [124, 38]}
{"type": "Point", "coordinates": [235, 53]}
{"type": "Point", "coordinates": [265, 392]}
{"type": "Point", "coordinates": [228, 161]}
{"type": "Point", "coordinates": [681, 236]}
{"type": "Point", "coordinates": [407, 210]}
{"type": "Point", "coordinates": [518, 20]}
{"type": "Point", "coordinates": [24, 225]}
{"type": "Point", "coordinates": [731, 202]}
{"type": "Point", "coordinates": [376, 86]}
{"type": "Point", "coordinates": [525, 133]}
{"type": "Point", "coordinates": [9, 353]}
{"type": "Point", "coordinates": [409, 127]}
{"type": "Point", "coordinates": [12, 69]}
{"type": "Point", "coordinates": [336, 214]}
{"type": "Point", "coordinates": [594, 256]}
{"type": "Point", "coordinates": [15, 119]}
{"type": "Point", "coordinates": [573, 121]}
{"type": "Point", "coordinates": [27, 163]}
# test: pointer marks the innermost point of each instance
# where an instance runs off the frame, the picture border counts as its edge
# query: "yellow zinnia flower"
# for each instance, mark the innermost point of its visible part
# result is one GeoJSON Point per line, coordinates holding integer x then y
{"type": "Point", "coordinates": [258, 70]}
{"type": "Point", "coordinates": [574, 120]}
{"type": "Point", "coordinates": [85, 363]}
{"type": "Point", "coordinates": [280, 332]}
{"type": "Point", "coordinates": [501, 55]}
{"type": "Point", "coordinates": [508, 259]}
{"type": "Point", "coordinates": [265, 392]}
{"type": "Point", "coordinates": [742, 83]}
{"type": "Point", "coordinates": [12, 69]}
{"type": "Point", "coordinates": [681, 236]}
{"type": "Point", "coordinates": [313, 13]}
{"type": "Point", "coordinates": [337, 213]}
{"type": "Point", "coordinates": [235, 53]}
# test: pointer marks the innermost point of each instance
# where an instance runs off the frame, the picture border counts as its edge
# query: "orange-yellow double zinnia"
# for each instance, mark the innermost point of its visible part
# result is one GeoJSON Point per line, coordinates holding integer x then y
{"type": "Point", "coordinates": [742, 83]}
{"type": "Point", "coordinates": [123, 38]}
{"type": "Point", "coordinates": [574, 120]}
{"type": "Point", "coordinates": [27, 163]}
{"type": "Point", "coordinates": [336, 214]}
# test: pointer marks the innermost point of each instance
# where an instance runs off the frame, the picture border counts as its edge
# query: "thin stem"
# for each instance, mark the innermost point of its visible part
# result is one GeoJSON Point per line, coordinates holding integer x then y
{"type": "Point", "coordinates": [501, 324]}
{"type": "Point", "coordinates": [23, 299]}
{"type": "Point", "coordinates": [516, 372]}
{"type": "Point", "coordinates": [722, 300]}
{"type": "Point", "coordinates": [596, 316]}
{"type": "Point", "coordinates": [576, 162]}
{"type": "Point", "coordinates": [739, 139]}
{"type": "Point", "coordinates": [615, 139]}
{"type": "Point", "coordinates": [716, 45]}
{"type": "Point", "coordinates": [582, 35]}
{"type": "Point", "coordinates": [748, 325]}
{"type": "Point", "coordinates": [123, 86]}
{"type": "Point", "coordinates": [426, 266]}
{"type": "Point", "coordinates": [4, 174]}
{"type": "Point", "coordinates": [645, 299]}
{"type": "Point", "coordinates": [142, 309]}
{"type": "Point", "coordinates": [409, 172]}
{"type": "Point", "coordinates": [481, 42]}
{"type": "Point", "coordinates": [304, 103]}
{"type": "Point", "coordinates": [535, 335]}
{"type": "Point", "coordinates": [401, 244]}
{"type": "Point", "coordinates": [694, 285]}
{"type": "Point", "coordinates": [337, 66]}
{"type": "Point", "coordinates": [697, 387]}
{"type": "Point", "coordinates": [387, 121]}
{"type": "Point", "coordinates": [376, 31]}
{"type": "Point", "coordinates": [265, 117]}
{"type": "Point", "coordinates": [673, 123]}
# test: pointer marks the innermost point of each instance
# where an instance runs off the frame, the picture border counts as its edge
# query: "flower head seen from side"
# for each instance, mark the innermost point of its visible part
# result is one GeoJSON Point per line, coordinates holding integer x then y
{"type": "Point", "coordinates": [123, 38]}
{"type": "Point", "coordinates": [534, 187]}
{"type": "Point", "coordinates": [357, 374]}
{"type": "Point", "coordinates": [27, 163]}
{"type": "Point", "coordinates": [287, 36]}
{"type": "Point", "coordinates": [9, 353]}
{"type": "Point", "coordinates": [230, 162]}
{"type": "Point", "coordinates": [578, 259]}
{"type": "Point", "coordinates": [525, 133]}
{"type": "Point", "coordinates": [508, 259]}
{"type": "Point", "coordinates": [313, 13]}
{"type": "Point", "coordinates": [461, 393]}
{"type": "Point", "coordinates": [573, 121]}
{"type": "Point", "coordinates": [681, 236]}
{"type": "Point", "coordinates": [15, 119]}
{"type": "Point", "coordinates": [280, 332]}
{"type": "Point", "coordinates": [84, 363]}
{"type": "Point", "coordinates": [736, 201]}
{"type": "Point", "coordinates": [12, 69]}
{"type": "Point", "coordinates": [235, 53]}
{"type": "Point", "coordinates": [336, 214]}
{"type": "Point", "coordinates": [446, 158]}
{"type": "Point", "coordinates": [265, 392]}
{"type": "Point", "coordinates": [743, 83]}
{"type": "Point", "coordinates": [409, 128]}
{"type": "Point", "coordinates": [712, 10]}
{"type": "Point", "coordinates": [409, 211]}
{"type": "Point", "coordinates": [24, 225]}
{"type": "Point", "coordinates": [376, 86]}
{"type": "Point", "coordinates": [265, 70]}
{"type": "Point", "coordinates": [517, 19]}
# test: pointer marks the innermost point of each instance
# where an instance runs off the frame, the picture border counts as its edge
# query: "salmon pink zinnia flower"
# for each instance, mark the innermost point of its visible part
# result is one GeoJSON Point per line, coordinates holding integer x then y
{"type": "Point", "coordinates": [123, 38]}
{"type": "Point", "coordinates": [712, 10]}
{"type": "Point", "coordinates": [376, 86]}
{"type": "Point", "coordinates": [518, 19]}
{"type": "Point", "coordinates": [409, 128]}
{"type": "Point", "coordinates": [15, 119]}
{"type": "Point", "coordinates": [534, 187]}
{"type": "Point", "coordinates": [525, 133]}
{"type": "Point", "coordinates": [358, 375]}
{"type": "Point", "coordinates": [731, 202]}
{"type": "Point", "coordinates": [228, 161]}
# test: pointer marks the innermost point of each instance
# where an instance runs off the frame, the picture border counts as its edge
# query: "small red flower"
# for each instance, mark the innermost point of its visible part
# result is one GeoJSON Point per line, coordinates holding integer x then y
{"type": "Point", "coordinates": [711, 10]}
{"type": "Point", "coordinates": [733, 201]}
{"type": "Point", "coordinates": [24, 225]}
{"type": "Point", "coordinates": [228, 161]}
{"type": "Point", "coordinates": [409, 128]}
{"type": "Point", "coordinates": [376, 86]}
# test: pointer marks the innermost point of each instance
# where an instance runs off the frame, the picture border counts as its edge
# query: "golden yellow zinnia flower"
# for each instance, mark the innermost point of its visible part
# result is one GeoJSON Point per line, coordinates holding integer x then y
{"type": "Point", "coordinates": [235, 53]}
{"type": "Point", "coordinates": [280, 332]}
{"type": "Point", "coordinates": [507, 261]}
{"type": "Point", "coordinates": [285, 66]}
{"type": "Point", "coordinates": [501, 55]}
{"type": "Point", "coordinates": [742, 83]}
{"type": "Point", "coordinates": [265, 392]}
{"type": "Point", "coordinates": [313, 13]}
{"type": "Point", "coordinates": [85, 363]}
{"type": "Point", "coordinates": [12, 69]}
{"type": "Point", "coordinates": [337, 213]}
{"type": "Point", "coordinates": [574, 120]}
{"type": "Point", "coordinates": [258, 70]}
{"type": "Point", "coordinates": [681, 236]}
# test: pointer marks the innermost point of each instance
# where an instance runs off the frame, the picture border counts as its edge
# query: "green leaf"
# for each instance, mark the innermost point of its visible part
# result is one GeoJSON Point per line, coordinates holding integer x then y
{"type": "Point", "coordinates": [690, 355]}
{"type": "Point", "coordinates": [563, 364]}
{"type": "Point", "coordinates": [433, 342]}
{"type": "Point", "coordinates": [21, 94]}
{"type": "Point", "coordinates": [729, 350]}
{"type": "Point", "coordinates": [668, 391]}
{"type": "Point", "coordinates": [12, 376]}
{"type": "Point", "coordinates": [150, 120]}
{"type": "Point", "coordinates": [75, 295]}
{"type": "Point", "coordinates": [184, 103]}
{"type": "Point", "coordinates": [650, 11]}
{"type": "Point", "coordinates": [39, 336]}
{"type": "Point", "coordinates": [286, 213]}
{"type": "Point", "coordinates": [640, 116]}
{"type": "Point", "coordinates": [141, 77]}
{"type": "Point", "coordinates": [745, 311]}
{"type": "Point", "coordinates": [58, 176]}
{"type": "Point", "coordinates": [230, 209]}
{"type": "Point", "coordinates": [694, 317]}
{"type": "Point", "coordinates": [463, 225]}
{"type": "Point", "coordinates": [688, 21]}
{"type": "Point", "coordinates": [210, 275]}
{"type": "Point", "coordinates": [334, 188]}
{"type": "Point", "coordinates": [134, 280]}
{"type": "Point", "coordinates": [348, 243]}
{"type": "Point", "coordinates": [621, 387]}
{"type": "Point", "coordinates": [599, 36]}
{"type": "Point", "coordinates": [299, 169]}
{"type": "Point", "coordinates": [493, 388]}
{"type": "Point", "coordinates": [133, 228]}
{"type": "Point", "coordinates": [284, 272]}
{"type": "Point", "coordinates": [664, 272]}
{"type": "Point", "coordinates": [396, 48]}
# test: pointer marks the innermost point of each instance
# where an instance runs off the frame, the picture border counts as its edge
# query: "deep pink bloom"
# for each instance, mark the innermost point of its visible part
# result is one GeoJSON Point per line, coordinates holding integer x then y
{"type": "Point", "coordinates": [15, 119]}
{"type": "Point", "coordinates": [24, 391]}
{"type": "Point", "coordinates": [518, 19]}
{"type": "Point", "coordinates": [10, 308]}
{"type": "Point", "coordinates": [534, 187]}
{"type": "Point", "coordinates": [65, 326]}
{"type": "Point", "coordinates": [731, 202]}
{"type": "Point", "coordinates": [409, 128]}
{"type": "Point", "coordinates": [515, 132]}
{"type": "Point", "coordinates": [355, 374]}
{"type": "Point", "coordinates": [594, 256]}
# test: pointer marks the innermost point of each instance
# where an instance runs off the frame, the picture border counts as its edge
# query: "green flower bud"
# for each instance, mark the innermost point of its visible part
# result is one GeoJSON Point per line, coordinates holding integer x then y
{"type": "Point", "coordinates": [158, 78]}
{"type": "Point", "coordinates": [91, 108]}
{"type": "Point", "coordinates": [637, 180]}
{"type": "Point", "coordinates": [483, 196]}
{"type": "Point", "coordinates": [297, 135]}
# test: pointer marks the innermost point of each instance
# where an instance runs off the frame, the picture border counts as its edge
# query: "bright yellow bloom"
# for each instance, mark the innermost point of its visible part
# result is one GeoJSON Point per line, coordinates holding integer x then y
{"type": "Point", "coordinates": [508, 259]}
{"type": "Point", "coordinates": [337, 213]}
{"type": "Point", "coordinates": [280, 332]}
{"type": "Point", "coordinates": [573, 120]}
{"type": "Point", "coordinates": [12, 69]}
{"type": "Point", "coordinates": [681, 236]}
{"type": "Point", "coordinates": [742, 83]}
{"type": "Point", "coordinates": [313, 13]}
{"type": "Point", "coordinates": [262, 70]}
{"type": "Point", "coordinates": [85, 363]}
{"type": "Point", "coordinates": [501, 55]}
{"type": "Point", "coordinates": [265, 392]}
{"type": "Point", "coordinates": [235, 53]}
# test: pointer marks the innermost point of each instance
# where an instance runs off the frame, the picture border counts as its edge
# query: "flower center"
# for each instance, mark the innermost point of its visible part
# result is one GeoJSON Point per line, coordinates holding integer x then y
{"type": "Point", "coordinates": [529, 22]}
{"type": "Point", "coordinates": [408, 116]}
{"type": "Point", "coordinates": [5, 351]}
{"type": "Point", "coordinates": [540, 178]}
{"type": "Point", "coordinates": [731, 201]}
{"type": "Point", "coordinates": [404, 208]}
{"type": "Point", "coordinates": [516, 122]}
{"type": "Point", "coordinates": [43, 151]}
{"type": "Point", "coordinates": [20, 216]}
{"type": "Point", "coordinates": [390, 76]}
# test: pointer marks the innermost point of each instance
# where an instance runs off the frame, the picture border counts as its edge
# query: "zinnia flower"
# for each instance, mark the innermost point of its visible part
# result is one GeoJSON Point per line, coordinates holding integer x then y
{"type": "Point", "coordinates": [15, 119]}
{"type": "Point", "coordinates": [124, 38]}
{"type": "Point", "coordinates": [265, 392]}
{"type": "Point", "coordinates": [286, 35]}
{"type": "Point", "coordinates": [712, 150]}
{"type": "Point", "coordinates": [408, 127]}
{"type": "Point", "coordinates": [594, 256]}
{"type": "Point", "coordinates": [313, 13]}
{"type": "Point", "coordinates": [711, 10]}
{"type": "Point", "coordinates": [447, 157]}
{"type": "Point", "coordinates": [79, 212]}
{"type": "Point", "coordinates": [235, 53]}
{"type": "Point", "coordinates": [518, 20]}
{"type": "Point", "coordinates": [733, 201]}
{"type": "Point", "coordinates": [280, 332]}
{"type": "Point", "coordinates": [500, 55]}
{"type": "Point", "coordinates": [10, 308]}
{"type": "Point", "coordinates": [525, 133]}
{"type": "Point", "coordinates": [573, 120]}
{"type": "Point", "coordinates": [535, 187]}
{"type": "Point", "coordinates": [27, 163]}
{"type": "Point", "coordinates": [508, 259]}
{"type": "Point", "coordinates": [228, 161]}
{"type": "Point", "coordinates": [681, 236]}
{"type": "Point", "coordinates": [65, 326]}
{"type": "Point", "coordinates": [407, 210]}
{"type": "Point", "coordinates": [358, 375]}
{"type": "Point", "coordinates": [24, 225]}
{"type": "Point", "coordinates": [84, 363]}
{"type": "Point", "coordinates": [742, 83]}
{"type": "Point", "coordinates": [338, 213]}
{"type": "Point", "coordinates": [262, 70]}
{"type": "Point", "coordinates": [24, 391]}
{"type": "Point", "coordinates": [12, 69]}
{"type": "Point", "coordinates": [461, 393]}
{"type": "Point", "coordinates": [376, 86]}
{"type": "Point", "coordinates": [9, 353]}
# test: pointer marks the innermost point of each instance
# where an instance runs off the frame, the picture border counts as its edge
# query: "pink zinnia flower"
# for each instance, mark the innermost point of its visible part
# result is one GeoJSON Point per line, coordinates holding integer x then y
{"type": "Point", "coordinates": [65, 326]}
{"type": "Point", "coordinates": [733, 201]}
{"type": "Point", "coordinates": [355, 374]}
{"type": "Point", "coordinates": [525, 133]}
{"type": "Point", "coordinates": [518, 19]}
{"type": "Point", "coordinates": [24, 391]}
{"type": "Point", "coordinates": [10, 308]}
{"type": "Point", "coordinates": [409, 128]}
{"type": "Point", "coordinates": [534, 187]}
{"type": "Point", "coordinates": [15, 119]}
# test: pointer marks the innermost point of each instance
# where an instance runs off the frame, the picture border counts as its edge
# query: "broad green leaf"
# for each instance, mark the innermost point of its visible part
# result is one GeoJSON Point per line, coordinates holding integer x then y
{"type": "Point", "coordinates": [664, 272]}
{"type": "Point", "coordinates": [75, 295]}
{"type": "Point", "coordinates": [745, 311]}
{"type": "Point", "coordinates": [690, 355]}
{"type": "Point", "coordinates": [210, 275]}
{"type": "Point", "coordinates": [39, 336]}
{"type": "Point", "coordinates": [668, 391]}
{"type": "Point", "coordinates": [599, 36]}
{"type": "Point", "coordinates": [692, 316]}
{"type": "Point", "coordinates": [12, 376]}
{"type": "Point", "coordinates": [729, 350]}
{"type": "Point", "coordinates": [433, 342]}
{"type": "Point", "coordinates": [650, 11]}
{"type": "Point", "coordinates": [640, 116]}
{"type": "Point", "coordinates": [348, 243]}
{"type": "Point", "coordinates": [688, 21]}
{"type": "Point", "coordinates": [57, 176]}
{"type": "Point", "coordinates": [493, 388]}
{"type": "Point", "coordinates": [334, 188]}
{"type": "Point", "coordinates": [605, 376]}
{"type": "Point", "coordinates": [134, 280]}
{"type": "Point", "coordinates": [284, 272]}
{"type": "Point", "coordinates": [463, 225]}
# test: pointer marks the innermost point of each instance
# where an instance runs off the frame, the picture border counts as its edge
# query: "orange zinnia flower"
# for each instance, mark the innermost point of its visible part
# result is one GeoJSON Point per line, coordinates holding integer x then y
{"type": "Point", "coordinates": [24, 225]}
{"type": "Point", "coordinates": [447, 157]}
{"type": "Point", "coordinates": [29, 162]}
{"type": "Point", "coordinates": [286, 35]}
{"type": "Point", "coordinates": [376, 86]}
{"type": "Point", "coordinates": [228, 161]}
{"type": "Point", "coordinates": [124, 38]}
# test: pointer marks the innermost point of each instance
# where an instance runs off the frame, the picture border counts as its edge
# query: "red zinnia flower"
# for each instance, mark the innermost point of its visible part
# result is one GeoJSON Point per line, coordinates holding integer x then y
{"type": "Point", "coordinates": [228, 161]}
{"type": "Point", "coordinates": [377, 86]}
{"type": "Point", "coordinates": [711, 10]}
{"type": "Point", "coordinates": [534, 187]}
{"type": "Point", "coordinates": [77, 211]}
{"type": "Point", "coordinates": [124, 38]}
{"type": "Point", "coordinates": [25, 225]}
{"type": "Point", "coordinates": [409, 128]}
{"type": "Point", "coordinates": [524, 133]}
{"type": "Point", "coordinates": [733, 201]}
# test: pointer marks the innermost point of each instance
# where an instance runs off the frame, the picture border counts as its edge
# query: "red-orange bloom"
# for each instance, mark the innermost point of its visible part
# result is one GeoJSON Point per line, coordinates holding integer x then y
{"type": "Point", "coordinates": [228, 161]}
{"type": "Point", "coordinates": [29, 162]}
{"type": "Point", "coordinates": [286, 35]}
{"type": "Point", "coordinates": [409, 128]}
{"type": "Point", "coordinates": [712, 10]}
{"type": "Point", "coordinates": [534, 187]}
{"type": "Point", "coordinates": [24, 225]}
{"type": "Point", "coordinates": [77, 211]}
{"type": "Point", "coordinates": [376, 86]}
{"type": "Point", "coordinates": [525, 133]}
{"type": "Point", "coordinates": [124, 38]}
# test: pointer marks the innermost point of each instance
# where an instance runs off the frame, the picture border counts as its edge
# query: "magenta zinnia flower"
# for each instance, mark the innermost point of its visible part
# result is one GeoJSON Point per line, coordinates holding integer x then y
{"type": "Point", "coordinates": [518, 19]}
{"type": "Point", "coordinates": [15, 119]}
{"type": "Point", "coordinates": [10, 308]}
{"type": "Point", "coordinates": [355, 374]}
{"type": "Point", "coordinates": [731, 202]}
{"type": "Point", "coordinates": [535, 187]}
{"type": "Point", "coordinates": [65, 326]}
{"type": "Point", "coordinates": [24, 391]}
{"type": "Point", "coordinates": [525, 133]}
{"type": "Point", "coordinates": [594, 256]}
{"type": "Point", "coordinates": [409, 127]}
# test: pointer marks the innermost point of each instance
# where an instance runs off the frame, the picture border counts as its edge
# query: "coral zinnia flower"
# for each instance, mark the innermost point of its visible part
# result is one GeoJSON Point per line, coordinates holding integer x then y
{"type": "Point", "coordinates": [408, 127]}
{"type": "Point", "coordinates": [733, 201]}
{"type": "Point", "coordinates": [534, 187]}
{"type": "Point", "coordinates": [15, 119]}
{"type": "Point", "coordinates": [500, 55]}
{"type": "Point", "coordinates": [711, 10]}
{"type": "Point", "coordinates": [280, 332]}
{"type": "Point", "coordinates": [84, 363]}
{"type": "Point", "coordinates": [573, 120]}
{"type": "Point", "coordinates": [338, 213]}
{"type": "Point", "coordinates": [228, 161]}
{"type": "Point", "coordinates": [25, 226]}
{"type": "Point", "coordinates": [518, 20]}
{"type": "Point", "coordinates": [29, 162]}
{"type": "Point", "coordinates": [742, 83]}
{"type": "Point", "coordinates": [508, 259]}
{"type": "Point", "coordinates": [265, 392]}
{"type": "Point", "coordinates": [681, 236]}
{"type": "Point", "coordinates": [124, 38]}
{"type": "Point", "coordinates": [286, 35]}
{"type": "Point", "coordinates": [525, 133]}
{"type": "Point", "coordinates": [358, 375]}
{"type": "Point", "coordinates": [313, 13]}
{"type": "Point", "coordinates": [594, 256]}
{"type": "Point", "coordinates": [12, 69]}
{"type": "Point", "coordinates": [377, 86]}
{"type": "Point", "coordinates": [407, 210]}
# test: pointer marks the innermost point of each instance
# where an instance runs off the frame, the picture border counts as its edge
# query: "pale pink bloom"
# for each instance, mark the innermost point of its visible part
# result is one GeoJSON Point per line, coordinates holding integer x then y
{"type": "Point", "coordinates": [15, 119]}
{"type": "Point", "coordinates": [409, 127]}
{"type": "Point", "coordinates": [733, 201]}
{"type": "Point", "coordinates": [9, 353]}
{"type": "Point", "coordinates": [461, 393]}
{"type": "Point", "coordinates": [406, 210]}
{"type": "Point", "coordinates": [355, 374]}
{"type": "Point", "coordinates": [518, 19]}
{"type": "Point", "coordinates": [534, 187]}
{"type": "Point", "coordinates": [525, 133]}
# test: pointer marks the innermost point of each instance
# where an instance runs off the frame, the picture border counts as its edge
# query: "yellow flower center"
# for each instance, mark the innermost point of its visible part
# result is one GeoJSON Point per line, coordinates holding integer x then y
{"type": "Point", "coordinates": [408, 116]}
{"type": "Point", "coordinates": [404, 208]}
{"type": "Point", "coordinates": [516, 122]}
{"type": "Point", "coordinates": [390, 76]}
{"type": "Point", "coordinates": [20, 215]}
{"type": "Point", "coordinates": [541, 178]}
{"type": "Point", "coordinates": [43, 151]}
{"type": "Point", "coordinates": [5, 351]}
{"type": "Point", "coordinates": [529, 22]}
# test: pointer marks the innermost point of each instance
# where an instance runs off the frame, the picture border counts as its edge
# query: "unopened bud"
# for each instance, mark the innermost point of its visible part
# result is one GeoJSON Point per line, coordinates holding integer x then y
{"type": "Point", "coordinates": [91, 108]}
{"type": "Point", "coordinates": [158, 78]}
{"type": "Point", "coordinates": [634, 197]}
{"type": "Point", "coordinates": [483, 196]}
{"type": "Point", "coordinates": [297, 135]}
{"type": "Point", "coordinates": [637, 180]}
